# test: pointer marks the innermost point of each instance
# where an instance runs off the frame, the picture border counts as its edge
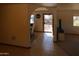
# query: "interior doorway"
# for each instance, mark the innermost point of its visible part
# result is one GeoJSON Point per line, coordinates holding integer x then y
{"type": "Point", "coordinates": [47, 23]}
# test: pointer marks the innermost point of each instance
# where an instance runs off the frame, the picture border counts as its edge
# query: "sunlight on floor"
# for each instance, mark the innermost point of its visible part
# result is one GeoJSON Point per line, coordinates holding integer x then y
{"type": "Point", "coordinates": [49, 34]}
{"type": "Point", "coordinates": [47, 28]}
{"type": "Point", "coordinates": [48, 41]}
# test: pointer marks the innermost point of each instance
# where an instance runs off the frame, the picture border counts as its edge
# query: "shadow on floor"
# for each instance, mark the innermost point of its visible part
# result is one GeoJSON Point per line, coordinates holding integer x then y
{"type": "Point", "coordinates": [70, 45]}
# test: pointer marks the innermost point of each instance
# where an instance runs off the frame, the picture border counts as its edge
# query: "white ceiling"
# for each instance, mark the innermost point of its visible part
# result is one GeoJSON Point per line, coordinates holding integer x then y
{"type": "Point", "coordinates": [49, 4]}
{"type": "Point", "coordinates": [46, 4]}
{"type": "Point", "coordinates": [57, 4]}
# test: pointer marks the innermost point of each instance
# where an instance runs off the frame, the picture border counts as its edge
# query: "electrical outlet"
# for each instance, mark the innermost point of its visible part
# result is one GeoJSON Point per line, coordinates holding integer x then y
{"type": "Point", "coordinates": [13, 37]}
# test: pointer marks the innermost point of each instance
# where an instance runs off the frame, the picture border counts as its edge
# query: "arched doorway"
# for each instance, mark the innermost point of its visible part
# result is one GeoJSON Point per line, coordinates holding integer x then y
{"type": "Point", "coordinates": [40, 15]}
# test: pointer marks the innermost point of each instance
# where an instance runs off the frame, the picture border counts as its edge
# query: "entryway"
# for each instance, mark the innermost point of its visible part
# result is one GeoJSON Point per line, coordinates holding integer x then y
{"type": "Point", "coordinates": [47, 21]}
{"type": "Point", "coordinates": [47, 25]}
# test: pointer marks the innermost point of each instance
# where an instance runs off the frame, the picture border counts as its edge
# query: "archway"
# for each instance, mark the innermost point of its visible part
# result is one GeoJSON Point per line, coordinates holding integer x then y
{"type": "Point", "coordinates": [38, 20]}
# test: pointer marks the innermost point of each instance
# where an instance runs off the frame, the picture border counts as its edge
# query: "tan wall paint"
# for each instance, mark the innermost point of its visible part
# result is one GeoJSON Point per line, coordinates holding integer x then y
{"type": "Point", "coordinates": [15, 24]}
{"type": "Point", "coordinates": [66, 13]}
{"type": "Point", "coordinates": [67, 20]}
{"type": "Point", "coordinates": [68, 6]}
{"type": "Point", "coordinates": [0, 21]}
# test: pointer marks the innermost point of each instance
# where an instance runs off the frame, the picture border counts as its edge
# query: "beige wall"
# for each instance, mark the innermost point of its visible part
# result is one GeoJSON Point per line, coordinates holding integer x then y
{"type": "Point", "coordinates": [68, 6]}
{"type": "Point", "coordinates": [15, 28]}
{"type": "Point", "coordinates": [67, 20]}
{"type": "Point", "coordinates": [0, 21]}
{"type": "Point", "coordinates": [66, 13]}
{"type": "Point", "coordinates": [15, 24]}
{"type": "Point", "coordinates": [38, 22]}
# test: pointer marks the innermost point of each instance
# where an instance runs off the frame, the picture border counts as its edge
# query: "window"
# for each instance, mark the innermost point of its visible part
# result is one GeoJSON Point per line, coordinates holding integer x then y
{"type": "Point", "coordinates": [32, 18]}
{"type": "Point", "coordinates": [75, 20]}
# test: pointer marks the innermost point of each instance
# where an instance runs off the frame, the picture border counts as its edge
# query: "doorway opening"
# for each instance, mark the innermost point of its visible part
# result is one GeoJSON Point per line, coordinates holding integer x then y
{"type": "Point", "coordinates": [47, 23]}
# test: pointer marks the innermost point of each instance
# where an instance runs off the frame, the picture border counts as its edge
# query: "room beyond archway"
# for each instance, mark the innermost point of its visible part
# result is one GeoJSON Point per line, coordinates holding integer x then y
{"type": "Point", "coordinates": [43, 24]}
{"type": "Point", "coordinates": [48, 22]}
